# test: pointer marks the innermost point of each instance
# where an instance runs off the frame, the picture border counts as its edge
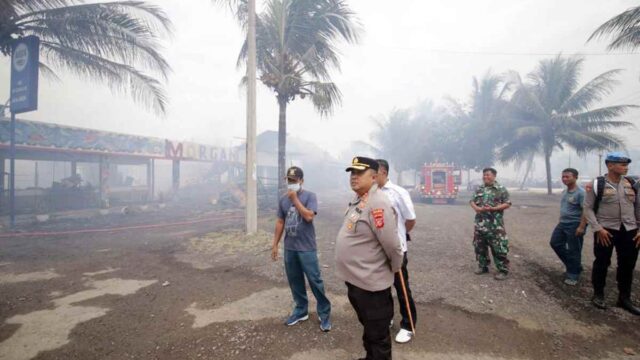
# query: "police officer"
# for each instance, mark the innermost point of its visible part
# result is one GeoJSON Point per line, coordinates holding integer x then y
{"type": "Point", "coordinates": [489, 202]}
{"type": "Point", "coordinates": [612, 208]}
{"type": "Point", "coordinates": [368, 254]}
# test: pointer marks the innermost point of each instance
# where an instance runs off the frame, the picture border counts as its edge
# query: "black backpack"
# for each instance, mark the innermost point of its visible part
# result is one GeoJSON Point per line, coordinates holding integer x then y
{"type": "Point", "coordinates": [600, 181]}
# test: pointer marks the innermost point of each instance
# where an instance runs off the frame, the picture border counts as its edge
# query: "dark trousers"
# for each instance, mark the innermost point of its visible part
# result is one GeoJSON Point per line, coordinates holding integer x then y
{"type": "Point", "coordinates": [405, 323]}
{"type": "Point", "coordinates": [568, 247]}
{"type": "Point", "coordinates": [627, 254]}
{"type": "Point", "coordinates": [375, 311]}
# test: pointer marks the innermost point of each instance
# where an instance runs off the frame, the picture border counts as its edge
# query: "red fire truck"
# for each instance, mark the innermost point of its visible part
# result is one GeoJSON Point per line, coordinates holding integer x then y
{"type": "Point", "coordinates": [439, 183]}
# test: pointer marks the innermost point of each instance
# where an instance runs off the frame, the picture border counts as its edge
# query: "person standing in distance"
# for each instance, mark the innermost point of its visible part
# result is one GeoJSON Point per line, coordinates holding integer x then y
{"type": "Point", "coordinates": [567, 237]}
{"type": "Point", "coordinates": [489, 202]}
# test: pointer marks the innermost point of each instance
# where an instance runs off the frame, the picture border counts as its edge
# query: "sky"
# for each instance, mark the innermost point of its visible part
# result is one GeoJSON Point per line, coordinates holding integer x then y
{"type": "Point", "coordinates": [410, 50]}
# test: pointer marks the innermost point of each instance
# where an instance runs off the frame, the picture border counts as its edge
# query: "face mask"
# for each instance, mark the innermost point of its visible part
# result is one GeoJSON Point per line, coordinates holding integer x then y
{"type": "Point", "coordinates": [294, 187]}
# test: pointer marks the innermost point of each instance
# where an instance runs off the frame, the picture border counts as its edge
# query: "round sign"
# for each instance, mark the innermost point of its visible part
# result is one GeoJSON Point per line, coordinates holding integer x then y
{"type": "Point", "coordinates": [20, 57]}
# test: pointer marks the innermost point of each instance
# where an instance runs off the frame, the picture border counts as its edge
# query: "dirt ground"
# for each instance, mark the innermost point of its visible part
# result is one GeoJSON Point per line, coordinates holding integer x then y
{"type": "Point", "coordinates": [204, 291]}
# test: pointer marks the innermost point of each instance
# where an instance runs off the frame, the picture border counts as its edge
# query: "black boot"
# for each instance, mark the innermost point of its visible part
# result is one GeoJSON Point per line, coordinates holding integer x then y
{"type": "Point", "coordinates": [625, 303]}
{"type": "Point", "coordinates": [598, 301]}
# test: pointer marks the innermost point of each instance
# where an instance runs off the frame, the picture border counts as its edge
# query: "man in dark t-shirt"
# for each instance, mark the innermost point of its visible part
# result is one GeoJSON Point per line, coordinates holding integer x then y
{"type": "Point", "coordinates": [296, 211]}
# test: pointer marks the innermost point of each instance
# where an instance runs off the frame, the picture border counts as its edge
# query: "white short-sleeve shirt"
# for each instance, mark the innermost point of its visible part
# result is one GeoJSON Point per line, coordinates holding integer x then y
{"type": "Point", "coordinates": [402, 204]}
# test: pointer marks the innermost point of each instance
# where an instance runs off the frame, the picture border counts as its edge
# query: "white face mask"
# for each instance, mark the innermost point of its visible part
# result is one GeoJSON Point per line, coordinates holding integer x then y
{"type": "Point", "coordinates": [293, 187]}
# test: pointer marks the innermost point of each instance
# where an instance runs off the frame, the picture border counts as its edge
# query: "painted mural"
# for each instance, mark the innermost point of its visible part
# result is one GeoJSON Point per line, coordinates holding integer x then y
{"type": "Point", "coordinates": [66, 138]}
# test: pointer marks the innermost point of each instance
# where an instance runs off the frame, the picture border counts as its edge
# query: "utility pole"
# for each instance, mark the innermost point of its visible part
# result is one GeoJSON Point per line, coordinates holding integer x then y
{"type": "Point", "coordinates": [12, 169]}
{"type": "Point", "coordinates": [251, 216]}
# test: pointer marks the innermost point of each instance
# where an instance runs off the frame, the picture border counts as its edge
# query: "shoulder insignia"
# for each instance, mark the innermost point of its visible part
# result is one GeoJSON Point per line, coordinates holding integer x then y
{"type": "Point", "coordinates": [378, 217]}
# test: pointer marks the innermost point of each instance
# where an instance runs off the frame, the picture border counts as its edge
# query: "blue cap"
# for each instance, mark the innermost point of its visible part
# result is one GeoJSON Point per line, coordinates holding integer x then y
{"type": "Point", "coordinates": [617, 157]}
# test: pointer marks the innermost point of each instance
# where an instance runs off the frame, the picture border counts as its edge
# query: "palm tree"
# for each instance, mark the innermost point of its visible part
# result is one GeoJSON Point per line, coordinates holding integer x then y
{"type": "Point", "coordinates": [624, 30]}
{"type": "Point", "coordinates": [552, 111]}
{"type": "Point", "coordinates": [296, 49]}
{"type": "Point", "coordinates": [397, 137]}
{"type": "Point", "coordinates": [114, 42]}
{"type": "Point", "coordinates": [481, 121]}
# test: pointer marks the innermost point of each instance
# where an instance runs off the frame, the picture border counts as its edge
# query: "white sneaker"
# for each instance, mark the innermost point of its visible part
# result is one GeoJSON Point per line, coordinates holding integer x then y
{"type": "Point", "coordinates": [404, 336]}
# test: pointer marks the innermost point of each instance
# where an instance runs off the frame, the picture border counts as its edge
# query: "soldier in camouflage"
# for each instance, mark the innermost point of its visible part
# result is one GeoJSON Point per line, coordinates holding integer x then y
{"type": "Point", "coordinates": [489, 203]}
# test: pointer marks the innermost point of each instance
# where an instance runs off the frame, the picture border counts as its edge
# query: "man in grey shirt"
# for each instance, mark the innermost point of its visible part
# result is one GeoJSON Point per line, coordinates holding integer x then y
{"type": "Point", "coordinates": [567, 237]}
{"type": "Point", "coordinates": [612, 208]}
{"type": "Point", "coordinates": [296, 211]}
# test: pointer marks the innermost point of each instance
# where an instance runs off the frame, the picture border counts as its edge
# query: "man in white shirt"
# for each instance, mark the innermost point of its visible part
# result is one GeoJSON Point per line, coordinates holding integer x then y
{"type": "Point", "coordinates": [403, 206]}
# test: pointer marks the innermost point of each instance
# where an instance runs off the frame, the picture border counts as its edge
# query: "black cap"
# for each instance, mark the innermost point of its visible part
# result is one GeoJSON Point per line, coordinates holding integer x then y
{"type": "Point", "coordinates": [363, 163]}
{"type": "Point", "coordinates": [294, 172]}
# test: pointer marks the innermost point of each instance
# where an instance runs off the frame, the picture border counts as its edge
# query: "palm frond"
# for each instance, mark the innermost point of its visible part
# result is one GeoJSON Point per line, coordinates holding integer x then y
{"type": "Point", "coordinates": [600, 118]}
{"type": "Point", "coordinates": [554, 80]}
{"type": "Point", "coordinates": [519, 150]}
{"type": "Point", "coordinates": [121, 36]}
{"type": "Point", "coordinates": [238, 8]}
{"type": "Point", "coordinates": [119, 77]}
{"type": "Point", "coordinates": [592, 92]}
{"type": "Point", "coordinates": [584, 142]}
{"type": "Point", "coordinates": [48, 72]}
{"type": "Point", "coordinates": [296, 48]}
{"type": "Point", "coordinates": [623, 29]}
{"type": "Point", "coordinates": [325, 96]}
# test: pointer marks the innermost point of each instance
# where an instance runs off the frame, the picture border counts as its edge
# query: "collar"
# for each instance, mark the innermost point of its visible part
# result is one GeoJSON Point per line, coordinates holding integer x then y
{"type": "Point", "coordinates": [364, 198]}
{"type": "Point", "coordinates": [495, 185]}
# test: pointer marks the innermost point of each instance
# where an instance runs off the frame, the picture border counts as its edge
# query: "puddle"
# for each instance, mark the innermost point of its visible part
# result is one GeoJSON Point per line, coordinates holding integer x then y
{"type": "Point", "coordinates": [25, 277]}
{"type": "Point", "coordinates": [49, 329]}
{"type": "Point", "coordinates": [105, 271]}
{"type": "Point", "coordinates": [266, 304]}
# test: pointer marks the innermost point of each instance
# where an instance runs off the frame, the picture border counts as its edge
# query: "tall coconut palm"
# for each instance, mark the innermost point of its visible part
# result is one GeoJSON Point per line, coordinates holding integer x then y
{"type": "Point", "coordinates": [623, 29]}
{"type": "Point", "coordinates": [481, 121]}
{"type": "Point", "coordinates": [552, 111]}
{"type": "Point", "coordinates": [296, 49]}
{"type": "Point", "coordinates": [114, 42]}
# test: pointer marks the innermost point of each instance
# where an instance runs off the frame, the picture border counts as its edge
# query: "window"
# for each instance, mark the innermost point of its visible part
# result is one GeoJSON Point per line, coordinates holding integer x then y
{"type": "Point", "coordinates": [439, 178]}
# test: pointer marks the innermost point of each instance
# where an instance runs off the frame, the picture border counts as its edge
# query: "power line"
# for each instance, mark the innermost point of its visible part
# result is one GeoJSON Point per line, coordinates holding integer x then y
{"type": "Point", "coordinates": [503, 53]}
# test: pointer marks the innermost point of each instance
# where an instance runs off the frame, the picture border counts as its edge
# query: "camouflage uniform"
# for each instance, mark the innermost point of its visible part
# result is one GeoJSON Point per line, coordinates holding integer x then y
{"type": "Point", "coordinates": [489, 227]}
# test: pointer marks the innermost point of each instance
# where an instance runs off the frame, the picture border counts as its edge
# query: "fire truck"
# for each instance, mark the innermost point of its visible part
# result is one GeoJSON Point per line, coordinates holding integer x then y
{"type": "Point", "coordinates": [439, 183]}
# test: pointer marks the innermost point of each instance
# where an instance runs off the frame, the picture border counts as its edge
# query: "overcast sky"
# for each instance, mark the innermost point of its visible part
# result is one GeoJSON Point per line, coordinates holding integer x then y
{"type": "Point", "coordinates": [410, 51]}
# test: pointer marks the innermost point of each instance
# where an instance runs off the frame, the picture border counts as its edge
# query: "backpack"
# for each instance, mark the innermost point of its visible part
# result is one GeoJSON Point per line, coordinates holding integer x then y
{"type": "Point", "coordinates": [598, 187]}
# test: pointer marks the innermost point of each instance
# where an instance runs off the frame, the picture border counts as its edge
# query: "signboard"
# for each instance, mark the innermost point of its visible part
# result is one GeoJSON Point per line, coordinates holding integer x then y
{"type": "Point", "coordinates": [198, 152]}
{"type": "Point", "coordinates": [25, 60]}
{"type": "Point", "coordinates": [59, 137]}
{"type": "Point", "coordinates": [42, 136]}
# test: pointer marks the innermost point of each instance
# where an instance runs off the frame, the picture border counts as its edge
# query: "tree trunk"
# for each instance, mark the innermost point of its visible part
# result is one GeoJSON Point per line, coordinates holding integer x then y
{"type": "Point", "coordinates": [282, 145]}
{"type": "Point", "coordinates": [527, 172]}
{"type": "Point", "coordinates": [547, 164]}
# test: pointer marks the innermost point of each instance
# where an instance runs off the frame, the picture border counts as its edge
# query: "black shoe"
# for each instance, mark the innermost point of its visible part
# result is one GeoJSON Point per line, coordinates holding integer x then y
{"type": "Point", "coordinates": [598, 301]}
{"type": "Point", "coordinates": [628, 305]}
{"type": "Point", "coordinates": [481, 270]}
